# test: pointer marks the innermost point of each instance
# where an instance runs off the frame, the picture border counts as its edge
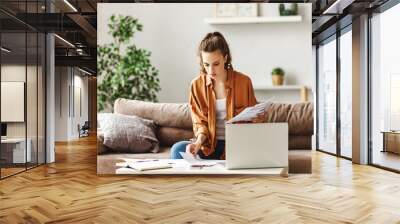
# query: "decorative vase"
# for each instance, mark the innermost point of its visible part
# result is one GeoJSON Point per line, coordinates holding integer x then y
{"type": "Point", "coordinates": [277, 80]}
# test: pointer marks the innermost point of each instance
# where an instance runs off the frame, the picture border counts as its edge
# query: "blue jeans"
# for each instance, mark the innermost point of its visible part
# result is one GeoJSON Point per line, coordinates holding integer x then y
{"type": "Point", "coordinates": [181, 147]}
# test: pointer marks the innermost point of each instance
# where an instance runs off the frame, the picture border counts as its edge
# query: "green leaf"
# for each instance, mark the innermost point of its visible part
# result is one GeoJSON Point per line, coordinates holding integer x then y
{"type": "Point", "coordinates": [128, 74]}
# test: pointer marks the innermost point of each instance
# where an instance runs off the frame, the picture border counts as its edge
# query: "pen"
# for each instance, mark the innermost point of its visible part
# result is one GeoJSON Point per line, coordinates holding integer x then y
{"type": "Point", "coordinates": [140, 161]}
{"type": "Point", "coordinates": [201, 165]}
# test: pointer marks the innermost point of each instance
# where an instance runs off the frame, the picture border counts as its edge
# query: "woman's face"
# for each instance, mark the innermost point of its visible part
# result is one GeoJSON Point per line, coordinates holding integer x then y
{"type": "Point", "coordinates": [214, 63]}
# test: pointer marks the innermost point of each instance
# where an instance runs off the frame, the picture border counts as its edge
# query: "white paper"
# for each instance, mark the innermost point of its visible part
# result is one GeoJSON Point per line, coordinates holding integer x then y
{"type": "Point", "coordinates": [149, 165]}
{"type": "Point", "coordinates": [196, 161]}
{"type": "Point", "coordinates": [250, 113]}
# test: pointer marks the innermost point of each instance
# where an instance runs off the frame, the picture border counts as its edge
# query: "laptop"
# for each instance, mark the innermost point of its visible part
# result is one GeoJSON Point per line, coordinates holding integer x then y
{"type": "Point", "coordinates": [256, 145]}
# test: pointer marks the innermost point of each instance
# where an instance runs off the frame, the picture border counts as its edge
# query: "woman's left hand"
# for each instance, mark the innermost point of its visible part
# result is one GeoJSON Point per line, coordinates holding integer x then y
{"type": "Point", "coordinates": [260, 118]}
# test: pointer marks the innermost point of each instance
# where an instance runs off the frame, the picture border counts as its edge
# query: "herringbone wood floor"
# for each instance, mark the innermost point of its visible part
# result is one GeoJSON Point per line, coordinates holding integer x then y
{"type": "Point", "coordinates": [69, 191]}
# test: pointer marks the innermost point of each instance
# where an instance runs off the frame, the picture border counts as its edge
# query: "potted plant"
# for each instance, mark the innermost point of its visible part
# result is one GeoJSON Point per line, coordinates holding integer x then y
{"type": "Point", "coordinates": [277, 76]}
{"type": "Point", "coordinates": [290, 11]}
{"type": "Point", "coordinates": [125, 70]}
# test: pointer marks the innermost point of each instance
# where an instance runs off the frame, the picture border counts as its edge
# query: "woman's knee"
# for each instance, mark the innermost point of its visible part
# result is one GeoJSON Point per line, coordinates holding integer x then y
{"type": "Point", "coordinates": [177, 148]}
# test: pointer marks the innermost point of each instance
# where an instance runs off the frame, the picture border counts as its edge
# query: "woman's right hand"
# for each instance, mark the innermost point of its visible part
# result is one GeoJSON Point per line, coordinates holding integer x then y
{"type": "Point", "coordinates": [193, 148]}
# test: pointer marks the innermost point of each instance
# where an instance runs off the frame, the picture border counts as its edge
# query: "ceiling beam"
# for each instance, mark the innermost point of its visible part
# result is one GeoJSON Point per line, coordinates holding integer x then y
{"type": "Point", "coordinates": [85, 25]}
{"type": "Point", "coordinates": [320, 22]}
{"type": "Point", "coordinates": [337, 7]}
{"type": "Point", "coordinates": [91, 5]}
{"type": "Point", "coordinates": [83, 61]}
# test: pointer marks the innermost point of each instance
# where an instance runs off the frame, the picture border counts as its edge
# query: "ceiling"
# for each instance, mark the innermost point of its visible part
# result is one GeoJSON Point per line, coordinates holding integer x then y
{"type": "Point", "coordinates": [76, 22]}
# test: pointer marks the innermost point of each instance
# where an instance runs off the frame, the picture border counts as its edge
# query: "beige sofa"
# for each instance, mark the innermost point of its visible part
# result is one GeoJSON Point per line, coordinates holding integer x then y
{"type": "Point", "coordinates": [174, 124]}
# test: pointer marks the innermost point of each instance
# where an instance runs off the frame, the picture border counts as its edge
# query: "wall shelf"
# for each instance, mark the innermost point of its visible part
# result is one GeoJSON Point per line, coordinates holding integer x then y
{"type": "Point", "coordinates": [244, 20]}
{"type": "Point", "coordinates": [283, 87]}
{"type": "Point", "coordinates": [303, 90]}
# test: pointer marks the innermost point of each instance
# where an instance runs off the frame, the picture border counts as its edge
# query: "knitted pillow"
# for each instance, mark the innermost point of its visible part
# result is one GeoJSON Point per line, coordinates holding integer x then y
{"type": "Point", "coordinates": [128, 134]}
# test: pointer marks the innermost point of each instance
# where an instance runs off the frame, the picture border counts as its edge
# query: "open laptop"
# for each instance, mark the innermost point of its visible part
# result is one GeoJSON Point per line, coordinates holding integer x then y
{"type": "Point", "coordinates": [256, 145]}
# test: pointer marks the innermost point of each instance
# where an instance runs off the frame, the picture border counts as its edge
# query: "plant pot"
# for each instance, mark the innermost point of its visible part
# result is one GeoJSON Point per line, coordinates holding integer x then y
{"type": "Point", "coordinates": [277, 80]}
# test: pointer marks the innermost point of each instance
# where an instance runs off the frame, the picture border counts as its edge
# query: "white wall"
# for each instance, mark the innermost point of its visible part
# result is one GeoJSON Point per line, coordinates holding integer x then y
{"type": "Point", "coordinates": [67, 113]}
{"type": "Point", "coordinates": [14, 72]}
{"type": "Point", "coordinates": [61, 103]}
{"type": "Point", "coordinates": [33, 126]}
{"type": "Point", "coordinates": [17, 73]}
{"type": "Point", "coordinates": [172, 33]}
{"type": "Point", "coordinates": [79, 117]}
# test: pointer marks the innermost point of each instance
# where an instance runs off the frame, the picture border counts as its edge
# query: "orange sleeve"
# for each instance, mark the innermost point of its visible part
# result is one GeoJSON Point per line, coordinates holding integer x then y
{"type": "Point", "coordinates": [200, 121]}
{"type": "Point", "coordinates": [252, 97]}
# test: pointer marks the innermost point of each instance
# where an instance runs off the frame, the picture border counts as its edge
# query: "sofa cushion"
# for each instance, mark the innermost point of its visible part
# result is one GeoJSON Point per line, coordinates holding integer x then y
{"type": "Point", "coordinates": [163, 114]}
{"type": "Point", "coordinates": [131, 134]}
{"type": "Point", "coordinates": [301, 119]}
{"type": "Point", "coordinates": [167, 136]}
{"type": "Point", "coordinates": [277, 112]}
{"type": "Point", "coordinates": [299, 116]}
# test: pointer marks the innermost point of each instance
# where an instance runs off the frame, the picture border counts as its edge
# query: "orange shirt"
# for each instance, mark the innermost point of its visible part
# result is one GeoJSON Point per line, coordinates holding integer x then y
{"type": "Point", "coordinates": [202, 99]}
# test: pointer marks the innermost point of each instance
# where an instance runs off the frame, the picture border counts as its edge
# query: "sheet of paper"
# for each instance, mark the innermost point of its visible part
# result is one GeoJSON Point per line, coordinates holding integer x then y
{"type": "Point", "coordinates": [149, 165]}
{"type": "Point", "coordinates": [196, 161]}
{"type": "Point", "coordinates": [249, 113]}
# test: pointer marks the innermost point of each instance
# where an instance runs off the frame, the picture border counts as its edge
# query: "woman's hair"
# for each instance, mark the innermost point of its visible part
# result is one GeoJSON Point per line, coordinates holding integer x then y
{"type": "Point", "coordinates": [212, 42]}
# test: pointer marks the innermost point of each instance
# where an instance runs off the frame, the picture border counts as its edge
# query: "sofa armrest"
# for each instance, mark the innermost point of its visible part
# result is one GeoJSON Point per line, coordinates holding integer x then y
{"type": "Point", "coordinates": [300, 161]}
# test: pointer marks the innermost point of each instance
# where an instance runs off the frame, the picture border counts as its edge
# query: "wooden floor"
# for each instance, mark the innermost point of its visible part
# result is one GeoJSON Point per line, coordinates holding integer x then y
{"type": "Point", "coordinates": [69, 191]}
{"type": "Point", "coordinates": [5, 172]}
{"type": "Point", "coordinates": [10, 171]}
{"type": "Point", "coordinates": [387, 159]}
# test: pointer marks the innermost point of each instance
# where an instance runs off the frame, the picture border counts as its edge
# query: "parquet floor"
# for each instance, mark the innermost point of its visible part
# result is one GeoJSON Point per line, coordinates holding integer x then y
{"type": "Point", "coordinates": [9, 171]}
{"type": "Point", "coordinates": [69, 191]}
{"type": "Point", "coordinates": [387, 159]}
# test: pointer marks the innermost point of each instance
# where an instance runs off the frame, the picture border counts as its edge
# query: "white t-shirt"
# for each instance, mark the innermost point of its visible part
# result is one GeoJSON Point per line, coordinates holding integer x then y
{"type": "Point", "coordinates": [220, 120]}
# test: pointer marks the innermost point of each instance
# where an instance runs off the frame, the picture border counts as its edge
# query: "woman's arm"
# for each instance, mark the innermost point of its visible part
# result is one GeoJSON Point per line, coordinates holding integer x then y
{"type": "Point", "coordinates": [200, 121]}
{"type": "Point", "coordinates": [252, 97]}
{"type": "Point", "coordinates": [201, 138]}
{"type": "Point", "coordinates": [253, 101]}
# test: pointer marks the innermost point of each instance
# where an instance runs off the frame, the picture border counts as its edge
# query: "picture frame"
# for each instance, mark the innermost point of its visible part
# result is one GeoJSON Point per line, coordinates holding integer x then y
{"type": "Point", "coordinates": [247, 9]}
{"type": "Point", "coordinates": [236, 10]}
{"type": "Point", "coordinates": [225, 10]}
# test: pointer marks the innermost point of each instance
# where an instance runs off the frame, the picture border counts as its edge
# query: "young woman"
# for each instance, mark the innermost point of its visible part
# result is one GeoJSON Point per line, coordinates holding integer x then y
{"type": "Point", "coordinates": [216, 95]}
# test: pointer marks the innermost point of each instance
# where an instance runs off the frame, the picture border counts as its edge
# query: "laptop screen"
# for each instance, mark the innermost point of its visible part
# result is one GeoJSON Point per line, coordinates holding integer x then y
{"type": "Point", "coordinates": [3, 129]}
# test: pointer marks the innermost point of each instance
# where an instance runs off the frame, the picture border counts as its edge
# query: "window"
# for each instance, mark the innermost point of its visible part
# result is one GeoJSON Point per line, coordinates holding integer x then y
{"type": "Point", "coordinates": [327, 97]}
{"type": "Point", "coordinates": [385, 89]}
{"type": "Point", "coordinates": [346, 94]}
{"type": "Point", "coordinates": [22, 75]}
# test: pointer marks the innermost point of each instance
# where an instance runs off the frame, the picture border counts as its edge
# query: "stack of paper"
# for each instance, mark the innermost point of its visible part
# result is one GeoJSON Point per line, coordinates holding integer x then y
{"type": "Point", "coordinates": [149, 165]}
{"type": "Point", "coordinates": [250, 113]}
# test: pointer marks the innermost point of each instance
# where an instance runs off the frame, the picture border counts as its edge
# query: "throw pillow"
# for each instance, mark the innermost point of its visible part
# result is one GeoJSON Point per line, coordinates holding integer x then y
{"type": "Point", "coordinates": [128, 134]}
